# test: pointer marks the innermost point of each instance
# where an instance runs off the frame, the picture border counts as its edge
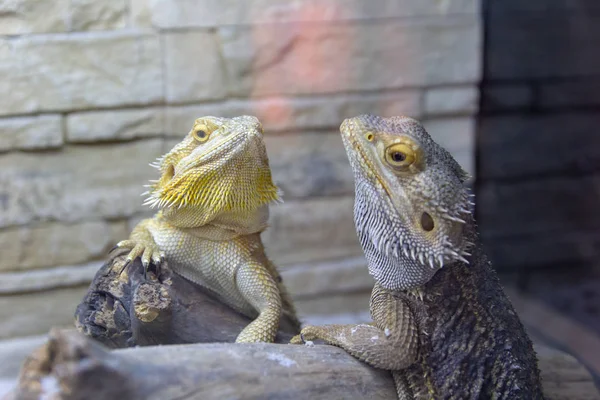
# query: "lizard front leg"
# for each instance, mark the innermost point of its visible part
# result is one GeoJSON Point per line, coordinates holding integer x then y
{"type": "Point", "coordinates": [391, 342]}
{"type": "Point", "coordinates": [142, 244]}
{"type": "Point", "coordinates": [260, 290]}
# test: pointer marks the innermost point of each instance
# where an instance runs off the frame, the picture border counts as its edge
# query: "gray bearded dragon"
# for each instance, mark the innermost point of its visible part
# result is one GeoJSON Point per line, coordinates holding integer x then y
{"type": "Point", "coordinates": [213, 195]}
{"type": "Point", "coordinates": [441, 321]}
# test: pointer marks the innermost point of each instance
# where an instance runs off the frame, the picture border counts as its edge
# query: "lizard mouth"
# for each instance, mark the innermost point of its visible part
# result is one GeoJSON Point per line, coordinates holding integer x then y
{"type": "Point", "coordinates": [351, 142]}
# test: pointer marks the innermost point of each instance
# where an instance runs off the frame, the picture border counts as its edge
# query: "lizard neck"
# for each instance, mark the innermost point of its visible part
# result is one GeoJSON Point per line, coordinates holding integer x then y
{"type": "Point", "coordinates": [218, 226]}
{"type": "Point", "coordinates": [393, 263]}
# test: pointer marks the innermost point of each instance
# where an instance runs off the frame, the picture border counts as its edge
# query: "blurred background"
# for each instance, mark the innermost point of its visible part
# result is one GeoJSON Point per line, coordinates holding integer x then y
{"type": "Point", "coordinates": [92, 91]}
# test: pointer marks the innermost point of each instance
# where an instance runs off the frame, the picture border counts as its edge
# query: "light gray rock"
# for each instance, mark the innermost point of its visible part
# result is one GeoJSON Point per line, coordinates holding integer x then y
{"type": "Point", "coordinates": [342, 318]}
{"type": "Point", "coordinates": [33, 16]}
{"type": "Point", "coordinates": [310, 164]}
{"type": "Point", "coordinates": [328, 277]}
{"type": "Point", "coordinates": [31, 133]}
{"type": "Point", "coordinates": [79, 183]}
{"type": "Point", "coordinates": [210, 13]}
{"type": "Point", "coordinates": [97, 126]}
{"type": "Point", "coordinates": [457, 135]}
{"type": "Point", "coordinates": [451, 100]}
{"type": "Point", "coordinates": [35, 313]}
{"type": "Point", "coordinates": [44, 279]}
{"type": "Point", "coordinates": [87, 15]}
{"type": "Point", "coordinates": [6, 388]}
{"type": "Point", "coordinates": [13, 353]}
{"type": "Point", "coordinates": [326, 58]}
{"type": "Point", "coordinates": [194, 67]}
{"type": "Point", "coordinates": [140, 13]}
{"type": "Point", "coordinates": [298, 113]}
{"type": "Point", "coordinates": [330, 308]}
{"type": "Point", "coordinates": [79, 71]}
{"type": "Point", "coordinates": [310, 230]}
{"type": "Point", "coordinates": [48, 244]}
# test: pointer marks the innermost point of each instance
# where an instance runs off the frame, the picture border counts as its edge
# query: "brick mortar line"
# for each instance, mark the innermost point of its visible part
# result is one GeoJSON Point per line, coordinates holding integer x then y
{"type": "Point", "coordinates": [444, 19]}
{"type": "Point", "coordinates": [167, 136]}
{"type": "Point", "coordinates": [94, 34]}
{"type": "Point", "coordinates": [263, 97]}
{"type": "Point", "coordinates": [96, 143]}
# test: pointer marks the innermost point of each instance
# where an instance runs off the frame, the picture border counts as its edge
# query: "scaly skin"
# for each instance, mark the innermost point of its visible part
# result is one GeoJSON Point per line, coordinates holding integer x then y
{"type": "Point", "coordinates": [213, 195]}
{"type": "Point", "coordinates": [441, 322]}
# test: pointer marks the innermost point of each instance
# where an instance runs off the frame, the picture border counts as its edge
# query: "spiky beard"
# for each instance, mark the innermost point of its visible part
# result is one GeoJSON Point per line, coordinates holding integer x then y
{"type": "Point", "coordinates": [399, 259]}
{"type": "Point", "coordinates": [237, 181]}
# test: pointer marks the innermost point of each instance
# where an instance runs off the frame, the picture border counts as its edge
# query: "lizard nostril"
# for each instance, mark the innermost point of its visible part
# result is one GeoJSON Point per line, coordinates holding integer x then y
{"type": "Point", "coordinates": [427, 222]}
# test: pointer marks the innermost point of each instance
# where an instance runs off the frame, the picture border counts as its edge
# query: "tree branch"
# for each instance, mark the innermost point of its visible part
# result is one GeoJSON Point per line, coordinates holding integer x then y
{"type": "Point", "coordinates": [71, 366]}
{"type": "Point", "coordinates": [125, 309]}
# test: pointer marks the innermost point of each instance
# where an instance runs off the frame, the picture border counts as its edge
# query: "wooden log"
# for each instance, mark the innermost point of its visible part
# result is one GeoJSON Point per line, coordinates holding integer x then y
{"type": "Point", "coordinates": [71, 366]}
{"type": "Point", "coordinates": [125, 309]}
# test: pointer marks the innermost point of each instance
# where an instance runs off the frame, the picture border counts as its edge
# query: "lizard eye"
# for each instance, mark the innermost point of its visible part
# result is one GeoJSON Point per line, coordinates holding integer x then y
{"type": "Point", "coordinates": [369, 136]}
{"type": "Point", "coordinates": [400, 156]}
{"type": "Point", "coordinates": [200, 133]}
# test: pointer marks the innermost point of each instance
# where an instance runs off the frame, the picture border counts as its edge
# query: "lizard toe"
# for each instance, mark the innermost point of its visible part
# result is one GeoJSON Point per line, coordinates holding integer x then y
{"type": "Point", "coordinates": [297, 339]}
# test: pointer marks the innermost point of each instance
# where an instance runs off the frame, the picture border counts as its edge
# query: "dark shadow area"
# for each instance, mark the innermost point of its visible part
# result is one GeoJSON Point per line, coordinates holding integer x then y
{"type": "Point", "coordinates": [538, 156]}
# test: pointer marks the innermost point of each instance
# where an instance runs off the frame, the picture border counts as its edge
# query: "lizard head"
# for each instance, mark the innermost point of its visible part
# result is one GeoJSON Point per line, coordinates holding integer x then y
{"type": "Point", "coordinates": [220, 166]}
{"type": "Point", "coordinates": [411, 203]}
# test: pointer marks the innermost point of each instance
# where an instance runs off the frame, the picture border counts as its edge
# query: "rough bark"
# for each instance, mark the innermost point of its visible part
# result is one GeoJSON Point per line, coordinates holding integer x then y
{"type": "Point", "coordinates": [72, 367]}
{"type": "Point", "coordinates": [125, 309]}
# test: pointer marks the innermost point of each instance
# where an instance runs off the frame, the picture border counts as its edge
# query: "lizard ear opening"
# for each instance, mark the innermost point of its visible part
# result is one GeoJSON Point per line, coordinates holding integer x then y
{"type": "Point", "coordinates": [170, 172]}
{"type": "Point", "coordinates": [427, 222]}
{"type": "Point", "coordinates": [166, 176]}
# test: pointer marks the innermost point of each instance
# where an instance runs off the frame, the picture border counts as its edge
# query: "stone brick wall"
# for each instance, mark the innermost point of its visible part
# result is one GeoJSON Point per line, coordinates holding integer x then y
{"type": "Point", "coordinates": [94, 90]}
{"type": "Point", "coordinates": [539, 145]}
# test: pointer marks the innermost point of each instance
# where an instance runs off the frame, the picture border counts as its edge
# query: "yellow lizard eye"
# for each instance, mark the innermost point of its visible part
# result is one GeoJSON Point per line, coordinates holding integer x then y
{"type": "Point", "coordinates": [400, 156]}
{"type": "Point", "coordinates": [369, 136]}
{"type": "Point", "coordinates": [201, 133]}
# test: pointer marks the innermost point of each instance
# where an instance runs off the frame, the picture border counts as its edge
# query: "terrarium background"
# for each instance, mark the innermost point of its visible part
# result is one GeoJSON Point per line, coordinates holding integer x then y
{"type": "Point", "coordinates": [95, 90]}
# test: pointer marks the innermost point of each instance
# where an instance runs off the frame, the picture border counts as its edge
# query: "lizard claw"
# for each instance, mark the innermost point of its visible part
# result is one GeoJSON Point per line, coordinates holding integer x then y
{"type": "Point", "coordinates": [146, 251]}
{"type": "Point", "coordinates": [306, 336]}
{"type": "Point", "coordinates": [127, 262]}
{"type": "Point", "coordinates": [145, 265]}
